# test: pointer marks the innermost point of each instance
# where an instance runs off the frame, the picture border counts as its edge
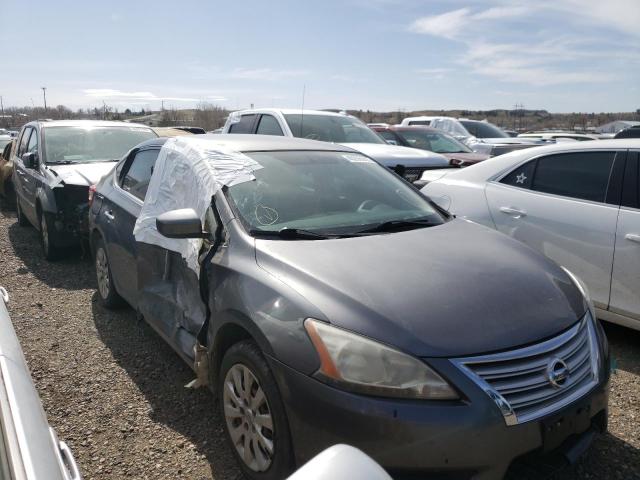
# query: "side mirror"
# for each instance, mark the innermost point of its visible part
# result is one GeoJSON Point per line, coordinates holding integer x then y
{"type": "Point", "coordinates": [30, 160]}
{"type": "Point", "coordinates": [182, 223]}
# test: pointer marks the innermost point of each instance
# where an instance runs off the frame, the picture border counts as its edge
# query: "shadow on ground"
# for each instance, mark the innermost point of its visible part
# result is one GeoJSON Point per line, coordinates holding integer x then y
{"type": "Point", "coordinates": [73, 271]}
{"type": "Point", "coordinates": [160, 375]}
{"type": "Point", "coordinates": [625, 348]}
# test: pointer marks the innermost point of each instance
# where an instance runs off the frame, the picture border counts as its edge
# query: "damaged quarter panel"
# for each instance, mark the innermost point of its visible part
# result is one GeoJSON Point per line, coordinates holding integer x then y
{"type": "Point", "coordinates": [270, 310]}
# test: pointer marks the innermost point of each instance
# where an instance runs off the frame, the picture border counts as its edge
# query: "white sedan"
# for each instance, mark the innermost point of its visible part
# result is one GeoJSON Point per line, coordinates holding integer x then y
{"type": "Point", "coordinates": [578, 203]}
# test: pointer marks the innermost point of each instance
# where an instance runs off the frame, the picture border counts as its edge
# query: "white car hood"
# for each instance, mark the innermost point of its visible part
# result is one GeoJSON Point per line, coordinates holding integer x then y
{"type": "Point", "coordinates": [392, 155]}
{"type": "Point", "coordinates": [84, 174]}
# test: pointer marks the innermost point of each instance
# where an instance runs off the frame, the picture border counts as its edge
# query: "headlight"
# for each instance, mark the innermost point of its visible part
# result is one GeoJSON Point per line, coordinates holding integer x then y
{"type": "Point", "coordinates": [361, 365]}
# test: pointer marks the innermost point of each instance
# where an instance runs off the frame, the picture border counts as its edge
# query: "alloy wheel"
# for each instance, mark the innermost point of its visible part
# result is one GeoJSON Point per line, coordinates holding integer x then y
{"type": "Point", "coordinates": [248, 418]}
{"type": "Point", "coordinates": [102, 273]}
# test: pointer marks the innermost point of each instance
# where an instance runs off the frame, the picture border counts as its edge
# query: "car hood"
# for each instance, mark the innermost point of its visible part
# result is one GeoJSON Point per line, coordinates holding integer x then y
{"type": "Point", "coordinates": [512, 141]}
{"type": "Point", "coordinates": [84, 174]}
{"type": "Point", "coordinates": [451, 290]}
{"type": "Point", "coordinates": [393, 155]}
{"type": "Point", "coordinates": [467, 157]}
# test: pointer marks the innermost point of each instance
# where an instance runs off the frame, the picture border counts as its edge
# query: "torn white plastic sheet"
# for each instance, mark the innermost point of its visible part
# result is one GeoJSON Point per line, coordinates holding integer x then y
{"type": "Point", "coordinates": [187, 173]}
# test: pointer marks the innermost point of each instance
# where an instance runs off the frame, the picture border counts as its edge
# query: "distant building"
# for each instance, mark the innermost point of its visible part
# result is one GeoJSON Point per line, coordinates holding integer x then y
{"type": "Point", "coordinates": [616, 126]}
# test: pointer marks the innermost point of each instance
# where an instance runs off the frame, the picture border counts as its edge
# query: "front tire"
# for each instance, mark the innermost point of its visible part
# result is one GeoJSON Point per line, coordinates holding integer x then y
{"type": "Point", "coordinates": [253, 413]}
{"type": "Point", "coordinates": [22, 220]}
{"type": "Point", "coordinates": [107, 293]}
{"type": "Point", "coordinates": [50, 250]}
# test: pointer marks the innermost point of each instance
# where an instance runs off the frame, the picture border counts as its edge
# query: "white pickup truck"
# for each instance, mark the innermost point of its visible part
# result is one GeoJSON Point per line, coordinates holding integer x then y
{"type": "Point", "coordinates": [340, 128]}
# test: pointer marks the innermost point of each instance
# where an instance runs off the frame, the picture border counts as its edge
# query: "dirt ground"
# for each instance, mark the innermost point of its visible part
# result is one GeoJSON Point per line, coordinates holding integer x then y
{"type": "Point", "coordinates": [115, 391]}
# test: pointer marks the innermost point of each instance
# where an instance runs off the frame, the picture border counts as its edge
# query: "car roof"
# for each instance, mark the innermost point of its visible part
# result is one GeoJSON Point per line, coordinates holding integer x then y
{"type": "Point", "coordinates": [87, 123]}
{"type": "Point", "coordinates": [287, 111]}
{"type": "Point", "coordinates": [492, 166]}
{"type": "Point", "coordinates": [418, 128]}
{"type": "Point", "coordinates": [255, 143]}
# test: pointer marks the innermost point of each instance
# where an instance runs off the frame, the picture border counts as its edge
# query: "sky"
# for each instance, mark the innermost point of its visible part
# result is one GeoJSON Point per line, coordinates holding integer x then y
{"type": "Point", "coordinates": [558, 55]}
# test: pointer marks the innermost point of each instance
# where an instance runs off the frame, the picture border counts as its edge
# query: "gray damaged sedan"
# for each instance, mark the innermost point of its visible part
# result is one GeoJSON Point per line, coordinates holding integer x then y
{"type": "Point", "coordinates": [329, 301]}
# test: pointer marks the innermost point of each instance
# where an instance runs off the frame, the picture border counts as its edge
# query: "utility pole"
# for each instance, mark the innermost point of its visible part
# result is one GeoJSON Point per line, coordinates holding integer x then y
{"type": "Point", "coordinates": [44, 94]}
{"type": "Point", "coordinates": [1, 106]}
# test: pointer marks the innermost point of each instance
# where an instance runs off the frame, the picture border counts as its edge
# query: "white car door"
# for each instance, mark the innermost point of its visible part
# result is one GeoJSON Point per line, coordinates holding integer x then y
{"type": "Point", "coordinates": [565, 206]}
{"type": "Point", "coordinates": [625, 283]}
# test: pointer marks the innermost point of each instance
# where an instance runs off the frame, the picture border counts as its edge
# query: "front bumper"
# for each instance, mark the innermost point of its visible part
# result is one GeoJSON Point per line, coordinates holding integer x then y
{"type": "Point", "coordinates": [457, 439]}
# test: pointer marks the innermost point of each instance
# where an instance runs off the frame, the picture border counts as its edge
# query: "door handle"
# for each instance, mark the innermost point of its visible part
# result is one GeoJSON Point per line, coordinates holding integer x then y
{"type": "Point", "coordinates": [516, 213]}
{"type": "Point", "coordinates": [633, 237]}
{"type": "Point", "coordinates": [69, 461]}
{"type": "Point", "coordinates": [109, 215]}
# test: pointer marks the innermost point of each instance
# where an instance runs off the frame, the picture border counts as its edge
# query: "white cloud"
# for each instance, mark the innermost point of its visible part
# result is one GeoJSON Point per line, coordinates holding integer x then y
{"type": "Point", "coordinates": [446, 25]}
{"type": "Point", "coordinates": [433, 73]}
{"type": "Point", "coordinates": [558, 54]}
{"type": "Point", "coordinates": [112, 93]}
{"type": "Point", "coordinates": [506, 62]}
{"type": "Point", "coordinates": [265, 74]}
{"type": "Point", "coordinates": [497, 13]}
{"type": "Point", "coordinates": [620, 15]}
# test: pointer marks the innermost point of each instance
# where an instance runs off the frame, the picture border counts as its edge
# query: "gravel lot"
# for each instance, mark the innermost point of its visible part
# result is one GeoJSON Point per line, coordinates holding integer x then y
{"type": "Point", "coordinates": [115, 391]}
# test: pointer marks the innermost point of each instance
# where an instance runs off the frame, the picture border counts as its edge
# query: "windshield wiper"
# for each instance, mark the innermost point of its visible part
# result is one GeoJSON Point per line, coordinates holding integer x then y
{"type": "Point", "coordinates": [291, 234]}
{"type": "Point", "coordinates": [62, 162]}
{"type": "Point", "coordinates": [393, 225]}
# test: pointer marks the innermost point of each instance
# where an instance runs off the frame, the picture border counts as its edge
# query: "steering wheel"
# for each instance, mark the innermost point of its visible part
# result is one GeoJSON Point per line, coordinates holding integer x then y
{"type": "Point", "coordinates": [368, 205]}
{"type": "Point", "coordinates": [313, 136]}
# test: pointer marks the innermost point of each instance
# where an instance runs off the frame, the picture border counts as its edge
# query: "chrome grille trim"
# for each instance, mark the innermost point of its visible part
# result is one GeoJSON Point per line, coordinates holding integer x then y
{"type": "Point", "coordinates": [518, 380]}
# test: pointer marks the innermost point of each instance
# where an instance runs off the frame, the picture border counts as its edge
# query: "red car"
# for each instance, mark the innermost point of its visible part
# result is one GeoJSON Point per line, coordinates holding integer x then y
{"type": "Point", "coordinates": [426, 138]}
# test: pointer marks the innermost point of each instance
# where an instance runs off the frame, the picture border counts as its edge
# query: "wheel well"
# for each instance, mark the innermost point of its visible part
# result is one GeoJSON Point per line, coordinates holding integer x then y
{"type": "Point", "coordinates": [95, 236]}
{"type": "Point", "coordinates": [227, 336]}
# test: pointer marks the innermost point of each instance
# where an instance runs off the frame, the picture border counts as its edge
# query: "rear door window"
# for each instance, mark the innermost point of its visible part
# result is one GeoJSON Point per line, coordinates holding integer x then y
{"type": "Point", "coordinates": [136, 179]}
{"type": "Point", "coordinates": [269, 126]}
{"type": "Point", "coordinates": [631, 182]}
{"type": "Point", "coordinates": [581, 175]}
{"type": "Point", "coordinates": [245, 125]}
{"type": "Point", "coordinates": [521, 176]}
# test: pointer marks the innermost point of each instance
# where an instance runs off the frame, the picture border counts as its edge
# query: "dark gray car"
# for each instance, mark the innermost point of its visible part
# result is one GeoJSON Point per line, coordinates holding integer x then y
{"type": "Point", "coordinates": [326, 309]}
{"type": "Point", "coordinates": [55, 163]}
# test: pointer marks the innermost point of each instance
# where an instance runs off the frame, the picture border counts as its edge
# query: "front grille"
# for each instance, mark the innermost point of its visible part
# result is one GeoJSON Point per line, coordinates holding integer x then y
{"type": "Point", "coordinates": [534, 381]}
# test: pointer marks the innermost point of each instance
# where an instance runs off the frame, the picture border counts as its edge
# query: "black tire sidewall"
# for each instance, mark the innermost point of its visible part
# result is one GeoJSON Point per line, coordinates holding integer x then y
{"type": "Point", "coordinates": [53, 252]}
{"type": "Point", "coordinates": [248, 353]}
{"type": "Point", "coordinates": [113, 300]}
{"type": "Point", "coordinates": [22, 221]}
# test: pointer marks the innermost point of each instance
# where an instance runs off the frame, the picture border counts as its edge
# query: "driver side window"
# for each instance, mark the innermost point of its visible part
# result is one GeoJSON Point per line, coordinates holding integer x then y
{"type": "Point", "coordinates": [138, 174]}
{"type": "Point", "coordinates": [24, 140]}
{"type": "Point", "coordinates": [32, 147]}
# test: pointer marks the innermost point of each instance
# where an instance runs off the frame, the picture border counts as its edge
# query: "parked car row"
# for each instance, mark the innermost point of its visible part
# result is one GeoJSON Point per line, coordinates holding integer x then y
{"type": "Point", "coordinates": [480, 136]}
{"type": "Point", "coordinates": [313, 290]}
{"type": "Point", "coordinates": [338, 128]}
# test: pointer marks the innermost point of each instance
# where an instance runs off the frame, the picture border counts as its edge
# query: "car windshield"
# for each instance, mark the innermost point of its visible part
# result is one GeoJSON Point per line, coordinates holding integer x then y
{"type": "Point", "coordinates": [326, 193]}
{"type": "Point", "coordinates": [91, 143]}
{"type": "Point", "coordinates": [433, 141]}
{"type": "Point", "coordinates": [331, 128]}
{"type": "Point", "coordinates": [483, 129]}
